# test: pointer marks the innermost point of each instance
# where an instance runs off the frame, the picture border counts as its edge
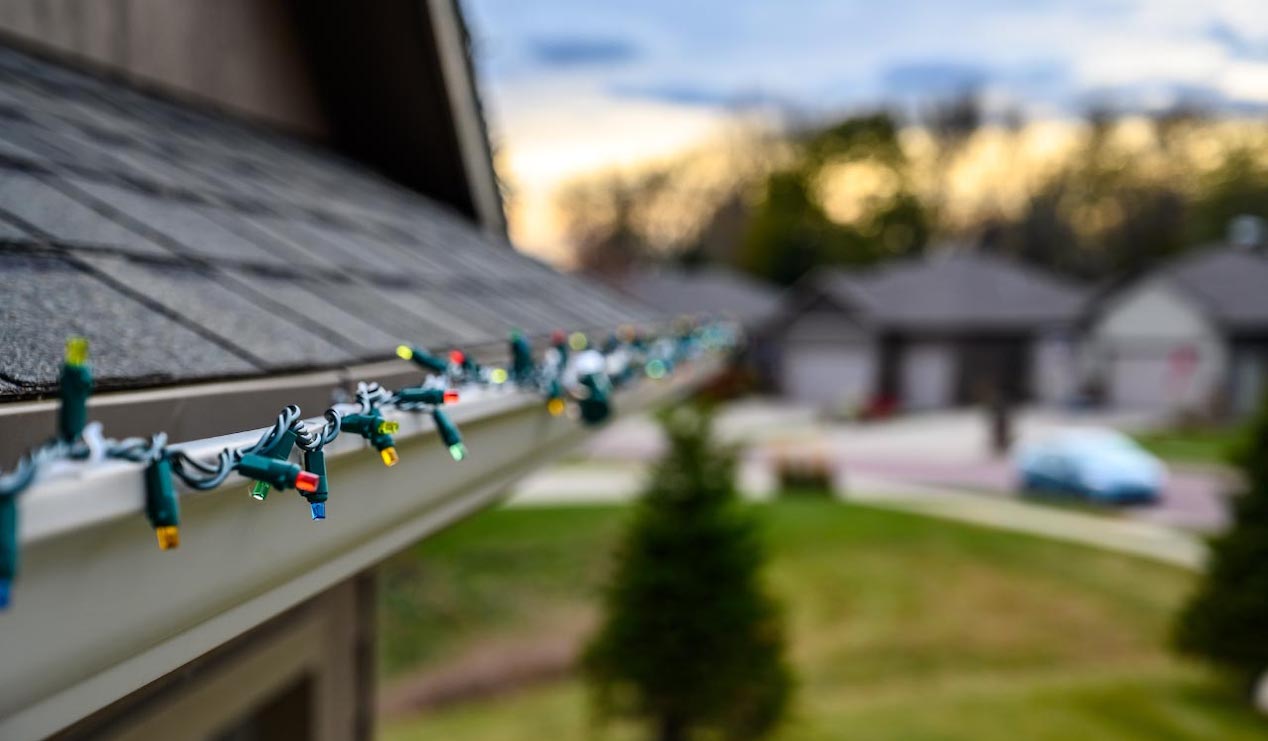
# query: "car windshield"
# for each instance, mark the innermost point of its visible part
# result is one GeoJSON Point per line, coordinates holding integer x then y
{"type": "Point", "coordinates": [1100, 440]}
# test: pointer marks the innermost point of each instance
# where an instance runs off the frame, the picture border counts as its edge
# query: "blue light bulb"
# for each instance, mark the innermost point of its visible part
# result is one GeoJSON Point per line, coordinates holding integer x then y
{"type": "Point", "coordinates": [318, 509]}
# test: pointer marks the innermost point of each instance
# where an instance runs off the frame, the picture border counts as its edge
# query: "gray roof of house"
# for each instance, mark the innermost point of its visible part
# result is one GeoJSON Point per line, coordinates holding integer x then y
{"type": "Point", "coordinates": [1231, 283]}
{"type": "Point", "coordinates": [187, 245]}
{"type": "Point", "coordinates": [708, 290]}
{"type": "Point", "coordinates": [953, 290]}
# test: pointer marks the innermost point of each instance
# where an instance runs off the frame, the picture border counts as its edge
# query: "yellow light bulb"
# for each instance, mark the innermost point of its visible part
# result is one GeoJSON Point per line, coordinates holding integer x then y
{"type": "Point", "coordinates": [404, 352]}
{"type": "Point", "coordinates": [389, 456]}
{"type": "Point", "coordinates": [577, 341]}
{"type": "Point", "coordinates": [555, 407]}
{"type": "Point", "coordinates": [169, 537]}
{"type": "Point", "coordinates": [388, 427]}
{"type": "Point", "coordinates": [498, 375]}
{"type": "Point", "coordinates": [76, 351]}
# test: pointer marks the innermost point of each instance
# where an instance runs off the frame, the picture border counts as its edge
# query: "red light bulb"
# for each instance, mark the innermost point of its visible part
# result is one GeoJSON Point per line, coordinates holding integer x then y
{"type": "Point", "coordinates": [307, 481]}
{"type": "Point", "coordinates": [451, 396]}
{"type": "Point", "coordinates": [456, 357]}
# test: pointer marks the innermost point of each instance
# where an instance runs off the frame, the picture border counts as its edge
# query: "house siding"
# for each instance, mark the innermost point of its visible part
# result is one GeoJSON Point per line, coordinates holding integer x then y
{"type": "Point", "coordinates": [1153, 349]}
{"type": "Point", "coordinates": [828, 360]}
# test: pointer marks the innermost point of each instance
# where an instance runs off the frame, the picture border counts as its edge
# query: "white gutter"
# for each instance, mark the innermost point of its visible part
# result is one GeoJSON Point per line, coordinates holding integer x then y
{"type": "Point", "coordinates": [99, 611]}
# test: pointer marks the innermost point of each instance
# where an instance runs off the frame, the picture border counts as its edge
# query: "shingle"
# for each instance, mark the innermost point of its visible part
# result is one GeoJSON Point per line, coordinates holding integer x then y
{"type": "Point", "coordinates": [299, 235]}
{"type": "Point", "coordinates": [64, 219]}
{"type": "Point", "coordinates": [100, 121]}
{"type": "Point", "coordinates": [361, 335]}
{"type": "Point", "coordinates": [227, 245]}
{"type": "Point", "coordinates": [55, 142]}
{"type": "Point", "coordinates": [19, 141]}
{"type": "Point", "coordinates": [526, 313]}
{"type": "Point", "coordinates": [374, 253]}
{"type": "Point", "coordinates": [450, 324]}
{"type": "Point", "coordinates": [200, 298]}
{"type": "Point", "coordinates": [180, 222]}
{"type": "Point", "coordinates": [250, 228]}
{"type": "Point", "coordinates": [44, 300]}
{"type": "Point", "coordinates": [953, 289]}
{"type": "Point", "coordinates": [1230, 282]}
{"type": "Point", "coordinates": [10, 232]}
{"type": "Point", "coordinates": [710, 291]}
{"type": "Point", "coordinates": [374, 305]}
{"type": "Point", "coordinates": [215, 177]}
{"type": "Point", "coordinates": [474, 310]}
{"type": "Point", "coordinates": [151, 170]}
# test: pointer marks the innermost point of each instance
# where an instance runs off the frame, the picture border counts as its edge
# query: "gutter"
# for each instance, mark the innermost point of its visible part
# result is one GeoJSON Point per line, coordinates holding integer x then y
{"type": "Point", "coordinates": [100, 612]}
{"type": "Point", "coordinates": [193, 411]}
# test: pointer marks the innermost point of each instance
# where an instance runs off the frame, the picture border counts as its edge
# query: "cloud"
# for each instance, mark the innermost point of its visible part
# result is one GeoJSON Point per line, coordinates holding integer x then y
{"type": "Point", "coordinates": [690, 94]}
{"type": "Point", "coordinates": [932, 77]}
{"type": "Point", "coordinates": [582, 51]}
{"type": "Point", "coordinates": [1238, 44]}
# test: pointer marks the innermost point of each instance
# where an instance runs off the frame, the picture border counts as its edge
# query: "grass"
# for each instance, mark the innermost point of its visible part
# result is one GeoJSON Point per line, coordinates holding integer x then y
{"type": "Point", "coordinates": [902, 627]}
{"type": "Point", "coordinates": [503, 574]}
{"type": "Point", "coordinates": [1191, 445]}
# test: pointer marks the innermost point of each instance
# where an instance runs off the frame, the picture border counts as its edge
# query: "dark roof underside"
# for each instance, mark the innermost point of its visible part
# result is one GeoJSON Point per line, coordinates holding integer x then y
{"type": "Point", "coordinates": [188, 246]}
{"type": "Point", "coordinates": [953, 290]}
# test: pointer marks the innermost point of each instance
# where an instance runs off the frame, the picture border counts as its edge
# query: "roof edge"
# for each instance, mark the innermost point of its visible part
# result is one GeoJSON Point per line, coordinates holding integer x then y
{"type": "Point", "coordinates": [453, 45]}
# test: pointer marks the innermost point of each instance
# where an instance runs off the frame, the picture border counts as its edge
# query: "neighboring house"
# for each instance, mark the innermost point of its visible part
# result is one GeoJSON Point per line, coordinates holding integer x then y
{"type": "Point", "coordinates": [948, 328]}
{"type": "Point", "coordinates": [1188, 337]}
{"type": "Point", "coordinates": [711, 291]}
{"type": "Point", "coordinates": [715, 292]}
{"type": "Point", "coordinates": [243, 205]}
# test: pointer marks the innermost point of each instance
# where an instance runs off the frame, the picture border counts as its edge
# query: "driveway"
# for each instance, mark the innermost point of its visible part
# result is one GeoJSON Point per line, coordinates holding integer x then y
{"type": "Point", "coordinates": [943, 449]}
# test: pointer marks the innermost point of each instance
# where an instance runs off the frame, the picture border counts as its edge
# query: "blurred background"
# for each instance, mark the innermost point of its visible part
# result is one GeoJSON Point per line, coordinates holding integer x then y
{"type": "Point", "coordinates": [990, 255]}
{"type": "Point", "coordinates": [1097, 171]}
{"type": "Point", "coordinates": [987, 462]}
{"type": "Point", "coordinates": [999, 263]}
{"type": "Point", "coordinates": [1124, 131]}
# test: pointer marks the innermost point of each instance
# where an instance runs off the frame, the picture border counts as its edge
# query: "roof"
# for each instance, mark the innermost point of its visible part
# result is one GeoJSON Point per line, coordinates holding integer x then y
{"type": "Point", "coordinates": [952, 289]}
{"type": "Point", "coordinates": [189, 246]}
{"type": "Point", "coordinates": [1231, 283]}
{"type": "Point", "coordinates": [709, 290]}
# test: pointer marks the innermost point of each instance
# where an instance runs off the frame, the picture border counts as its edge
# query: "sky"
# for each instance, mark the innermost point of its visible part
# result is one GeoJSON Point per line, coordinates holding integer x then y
{"type": "Point", "coordinates": [573, 86]}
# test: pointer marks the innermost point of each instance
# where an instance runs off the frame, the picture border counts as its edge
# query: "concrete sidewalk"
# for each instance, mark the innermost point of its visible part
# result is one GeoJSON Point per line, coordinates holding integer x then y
{"type": "Point", "coordinates": [1122, 535]}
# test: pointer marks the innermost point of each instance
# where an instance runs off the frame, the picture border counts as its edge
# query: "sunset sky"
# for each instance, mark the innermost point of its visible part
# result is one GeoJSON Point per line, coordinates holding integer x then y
{"type": "Point", "coordinates": [572, 86]}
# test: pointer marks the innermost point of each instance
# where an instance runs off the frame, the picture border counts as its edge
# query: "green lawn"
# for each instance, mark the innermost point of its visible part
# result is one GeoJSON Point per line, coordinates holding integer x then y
{"type": "Point", "coordinates": [1191, 445]}
{"type": "Point", "coordinates": [902, 627]}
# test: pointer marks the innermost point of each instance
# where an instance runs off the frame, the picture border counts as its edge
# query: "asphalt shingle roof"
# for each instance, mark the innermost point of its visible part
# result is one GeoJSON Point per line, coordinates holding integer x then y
{"type": "Point", "coordinates": [1230, 282]}
{"type": "Point", "coordinates": [953, 290]}
{"type": "Point", "coordinates": [188, 245]}
{"type": "Point", "coordinates": [708, 290]}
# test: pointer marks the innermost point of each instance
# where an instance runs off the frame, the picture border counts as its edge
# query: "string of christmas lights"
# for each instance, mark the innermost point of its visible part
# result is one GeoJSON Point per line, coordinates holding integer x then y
{"type": "Point", "coordinates": [572, 375]}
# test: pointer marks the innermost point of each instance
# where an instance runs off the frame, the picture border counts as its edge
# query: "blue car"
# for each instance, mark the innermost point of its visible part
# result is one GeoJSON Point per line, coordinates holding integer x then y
{"type": "Point", "coordinates": [1098, 464]}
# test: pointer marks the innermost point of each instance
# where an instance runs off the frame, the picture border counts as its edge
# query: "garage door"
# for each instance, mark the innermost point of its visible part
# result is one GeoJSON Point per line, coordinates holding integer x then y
{"type": "Point", "coordinates": [1140, 381]}
{"type": "Point", "coordinates": [928, 373]}
{"type": "Point", "coordinates": [829, 375]}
